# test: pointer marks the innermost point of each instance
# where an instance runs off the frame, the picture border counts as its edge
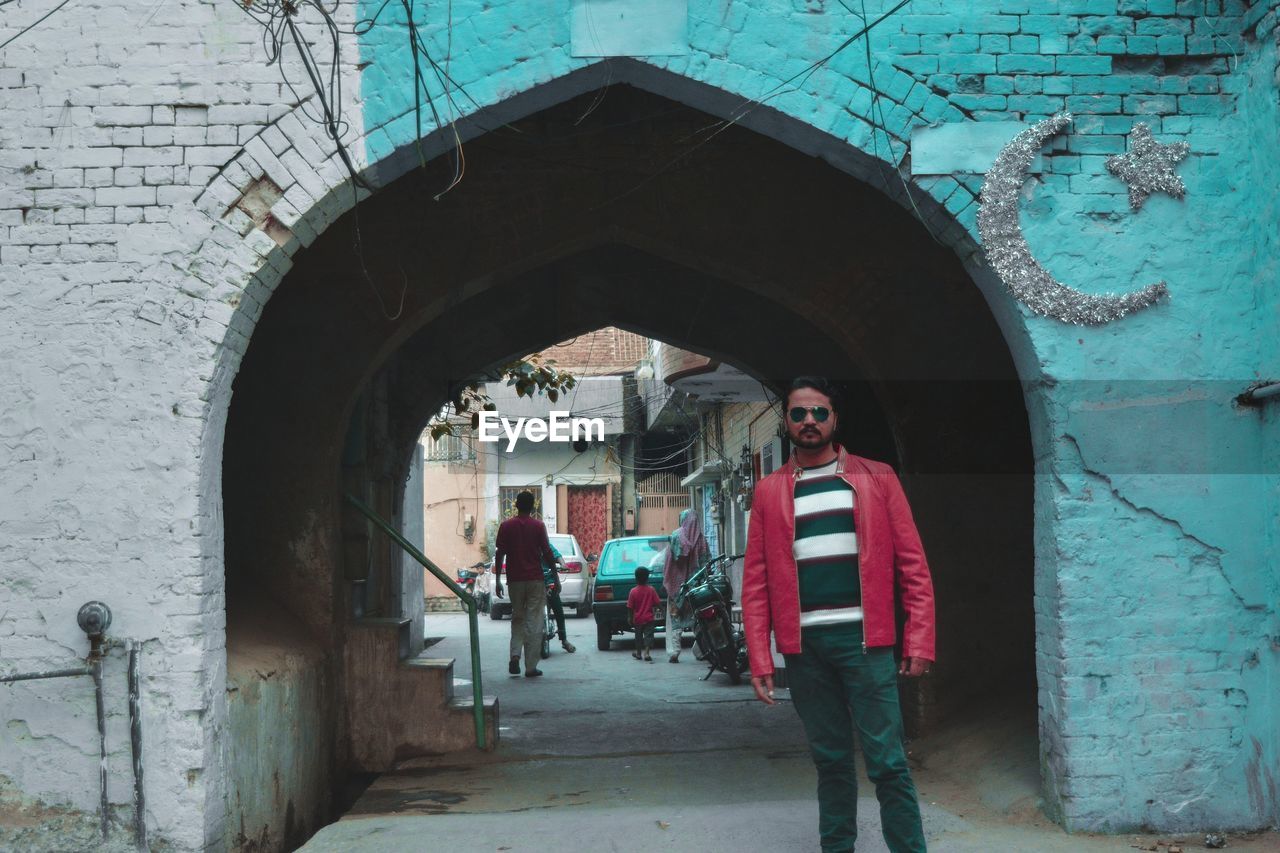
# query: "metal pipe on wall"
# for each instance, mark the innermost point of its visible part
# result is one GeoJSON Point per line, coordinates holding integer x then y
{"type": "Point", "coordinates": [53, 673]}
{"type": "Point", "coordinates": [1258, 392]}
{"type": "Point", "coordinates": [1265, 391]}
{"type": "Point", "coordinates": [135, 742]}
{"type": "Point", "coordinates": [95, 670]}
{"type": "Point", "coordinates": [94, 618]}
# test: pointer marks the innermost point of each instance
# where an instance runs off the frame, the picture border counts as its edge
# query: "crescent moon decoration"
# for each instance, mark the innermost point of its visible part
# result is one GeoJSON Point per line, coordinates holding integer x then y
{"type": "Point", "coordinates": [1007, 251]}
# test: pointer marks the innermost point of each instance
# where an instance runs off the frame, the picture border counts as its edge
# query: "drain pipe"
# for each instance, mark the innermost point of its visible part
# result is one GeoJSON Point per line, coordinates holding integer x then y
{"type": "Point", "coordinates": [104, 813]}
{"type": "Point", "coordinates": [135, 742]}
{"type": "Point", "coordinates": [94, 619]}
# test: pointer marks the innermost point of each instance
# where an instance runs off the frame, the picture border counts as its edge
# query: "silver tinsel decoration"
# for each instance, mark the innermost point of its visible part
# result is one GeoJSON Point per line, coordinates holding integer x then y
{"type": "Point", "coordinates": [1148, 167]}
{"type": "Point", "coordinates": [1009, 255]}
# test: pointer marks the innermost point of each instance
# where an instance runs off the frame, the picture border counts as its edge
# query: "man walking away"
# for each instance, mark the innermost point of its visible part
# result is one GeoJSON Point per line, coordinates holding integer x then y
{"type": "Point", "coordinates": [523, 542]}
{"type": "Point", "coordinates": [830, 542]}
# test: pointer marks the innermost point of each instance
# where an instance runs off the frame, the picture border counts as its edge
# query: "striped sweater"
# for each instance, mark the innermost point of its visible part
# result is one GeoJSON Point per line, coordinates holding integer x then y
{"type": "Point", "coordinates": [826, 548]}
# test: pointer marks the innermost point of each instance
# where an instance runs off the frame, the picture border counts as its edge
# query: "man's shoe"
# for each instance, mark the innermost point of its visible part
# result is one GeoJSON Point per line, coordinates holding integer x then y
{"type": "Point", "coordinates": [534, 673]}
{"type": "Point", "coordinates": [514, 666]}
{"type": "Point", "coordinates": [674, 658]}
{"type": "Point", "coordinates": [568, 646]}
{"type": "Point", "coordinates": [648, 659]}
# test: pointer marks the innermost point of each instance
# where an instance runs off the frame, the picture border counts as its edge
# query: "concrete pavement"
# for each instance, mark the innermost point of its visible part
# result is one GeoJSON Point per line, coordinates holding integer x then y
{"type": "Point", "coordinates": [607, 753]}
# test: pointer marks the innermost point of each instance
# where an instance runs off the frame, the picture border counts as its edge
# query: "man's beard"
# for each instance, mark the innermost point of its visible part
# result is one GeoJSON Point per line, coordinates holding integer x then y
{"type": "Point", "coordinates": [811, 440]}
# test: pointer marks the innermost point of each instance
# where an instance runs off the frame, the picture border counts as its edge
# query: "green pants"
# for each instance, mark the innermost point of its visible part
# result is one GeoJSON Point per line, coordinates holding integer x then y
{"type": "Point", "coordinates": [836, 688]}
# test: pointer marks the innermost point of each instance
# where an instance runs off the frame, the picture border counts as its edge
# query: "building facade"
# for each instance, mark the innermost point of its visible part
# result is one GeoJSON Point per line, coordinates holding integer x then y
{"type": "Point", "coordinates": [780, 183]}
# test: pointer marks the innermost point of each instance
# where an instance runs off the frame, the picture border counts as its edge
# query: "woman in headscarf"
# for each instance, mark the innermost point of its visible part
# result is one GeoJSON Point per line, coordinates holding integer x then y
{"type": "Point", "coordinates": [687, 551]}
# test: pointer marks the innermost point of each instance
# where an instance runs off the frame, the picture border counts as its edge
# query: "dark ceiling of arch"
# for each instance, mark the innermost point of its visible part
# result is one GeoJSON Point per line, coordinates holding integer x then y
{"type": "Point", "coordinates": [604, 209]}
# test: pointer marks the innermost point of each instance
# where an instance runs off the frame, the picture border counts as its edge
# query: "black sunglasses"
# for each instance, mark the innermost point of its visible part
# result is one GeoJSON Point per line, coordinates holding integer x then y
{"type": "Point", "coordinates": [820, 413]}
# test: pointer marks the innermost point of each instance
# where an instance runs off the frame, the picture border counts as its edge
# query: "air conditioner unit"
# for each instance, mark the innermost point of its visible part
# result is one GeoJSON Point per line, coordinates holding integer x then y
{"type": "Point", "coordinates": [771, 456]}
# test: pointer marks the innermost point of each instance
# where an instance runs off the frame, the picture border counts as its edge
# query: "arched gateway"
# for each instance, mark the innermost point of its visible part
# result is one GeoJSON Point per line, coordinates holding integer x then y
{"type": "Point", "coordinates": [787, 210]}
{"type": "Point", "coordinates": [746, 249]}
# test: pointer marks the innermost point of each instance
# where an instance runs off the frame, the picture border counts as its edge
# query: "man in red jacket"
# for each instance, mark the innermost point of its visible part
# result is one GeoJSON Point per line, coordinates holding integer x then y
{"type": "Point", "coordinates": [830, 541]}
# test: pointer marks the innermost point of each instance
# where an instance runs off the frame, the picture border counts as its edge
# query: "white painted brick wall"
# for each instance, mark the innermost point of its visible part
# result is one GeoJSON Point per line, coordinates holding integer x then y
{"type": "Point", "coordinates": [114, 117]}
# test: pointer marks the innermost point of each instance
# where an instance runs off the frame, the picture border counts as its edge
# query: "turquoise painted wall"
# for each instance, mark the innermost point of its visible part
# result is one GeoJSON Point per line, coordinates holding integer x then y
{"type": "Point", "coordinates": [1157, 504]}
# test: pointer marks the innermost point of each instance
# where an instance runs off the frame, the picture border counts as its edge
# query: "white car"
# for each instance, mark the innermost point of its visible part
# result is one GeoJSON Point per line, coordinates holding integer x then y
{"type": "Point", "coordinates": [577, 579]}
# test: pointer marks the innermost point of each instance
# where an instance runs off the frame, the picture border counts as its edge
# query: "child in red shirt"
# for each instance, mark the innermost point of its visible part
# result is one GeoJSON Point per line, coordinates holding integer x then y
{"type": "Point", "coordinates": [640, 605]}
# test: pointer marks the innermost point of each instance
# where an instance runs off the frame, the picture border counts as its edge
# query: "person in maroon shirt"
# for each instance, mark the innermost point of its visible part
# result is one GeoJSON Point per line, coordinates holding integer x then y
{"type": "Point", "coordinates": [522, 542]}
{"type": "Point", "coordinates": [641, 603]}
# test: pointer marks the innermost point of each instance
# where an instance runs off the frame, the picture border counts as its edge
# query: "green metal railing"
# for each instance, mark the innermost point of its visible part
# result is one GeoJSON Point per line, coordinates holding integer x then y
{"type": "Point", "coordinates": [468, 601]}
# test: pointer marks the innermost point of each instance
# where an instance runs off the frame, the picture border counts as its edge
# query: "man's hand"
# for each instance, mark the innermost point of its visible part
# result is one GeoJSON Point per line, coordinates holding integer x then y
{"type": "Point", "coordinates": [497, 589]}
{"type": "Point", "coordinates": [763, 686]}
{"type": "Point", "coordinates": [914, 667]}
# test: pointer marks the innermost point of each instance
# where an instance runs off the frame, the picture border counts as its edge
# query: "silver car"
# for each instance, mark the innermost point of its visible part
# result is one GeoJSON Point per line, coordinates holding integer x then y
{"type": "Point", "coordinates": [577, 580]}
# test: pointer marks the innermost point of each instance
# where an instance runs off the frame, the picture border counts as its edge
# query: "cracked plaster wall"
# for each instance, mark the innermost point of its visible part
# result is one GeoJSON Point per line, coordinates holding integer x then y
{"type": "Point", "coordinates": [125, 313]}
{"type": "Point", "coordinates": [1163, 498]}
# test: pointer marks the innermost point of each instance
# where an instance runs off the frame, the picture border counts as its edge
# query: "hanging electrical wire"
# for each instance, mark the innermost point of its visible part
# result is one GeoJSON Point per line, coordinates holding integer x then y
{"type": "Point", "coordinates": [279, 22]}
{"type": "Point", "coordinates": [739, 113]}
{"type": "Point", "coordinates": [29, 27]}
{"type": "Point", "coordinates": [877, 107]}
{"type": "Point", "coordinates": [282, 22]}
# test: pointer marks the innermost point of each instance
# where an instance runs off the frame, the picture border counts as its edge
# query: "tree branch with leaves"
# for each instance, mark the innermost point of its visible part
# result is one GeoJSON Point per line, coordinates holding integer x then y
{"type": "Point", "coordinates": [529, 376]}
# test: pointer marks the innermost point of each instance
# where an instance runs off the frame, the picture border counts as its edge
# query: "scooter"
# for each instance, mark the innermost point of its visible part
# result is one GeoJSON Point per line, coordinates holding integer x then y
{"type": "Point", "coordinates": [708, 594]}
{"type": "Point", "coordinates": [467, 577]}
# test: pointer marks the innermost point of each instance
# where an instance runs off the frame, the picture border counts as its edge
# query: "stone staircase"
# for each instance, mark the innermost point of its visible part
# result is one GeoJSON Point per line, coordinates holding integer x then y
{"type": "Point", "coordinates": [402, 704]}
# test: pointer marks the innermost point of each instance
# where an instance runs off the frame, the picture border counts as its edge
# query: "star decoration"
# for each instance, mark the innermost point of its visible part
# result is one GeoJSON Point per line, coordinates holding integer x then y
{"type": "Point", "coordinates": [1148, 167]}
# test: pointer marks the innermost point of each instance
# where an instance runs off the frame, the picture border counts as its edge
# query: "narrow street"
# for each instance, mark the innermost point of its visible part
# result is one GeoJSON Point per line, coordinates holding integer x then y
{"type": "Point", "coordinates": [607, 753]}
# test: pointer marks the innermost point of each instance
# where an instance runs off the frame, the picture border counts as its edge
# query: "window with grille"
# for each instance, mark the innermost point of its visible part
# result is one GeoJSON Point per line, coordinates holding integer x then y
{"type": "Point", "coordinates": [449, 448]}
{"type": "Point", "coordinates": [507, 497]}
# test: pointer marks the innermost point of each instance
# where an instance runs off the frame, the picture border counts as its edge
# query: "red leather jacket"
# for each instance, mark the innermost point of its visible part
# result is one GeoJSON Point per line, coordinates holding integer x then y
{"type": "Point", "coordinates": [889, 555]}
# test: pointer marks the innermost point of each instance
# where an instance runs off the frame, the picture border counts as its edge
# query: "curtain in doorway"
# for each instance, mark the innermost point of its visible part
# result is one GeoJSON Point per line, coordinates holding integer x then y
{"type": "Point", "coordinates": [589, 517]}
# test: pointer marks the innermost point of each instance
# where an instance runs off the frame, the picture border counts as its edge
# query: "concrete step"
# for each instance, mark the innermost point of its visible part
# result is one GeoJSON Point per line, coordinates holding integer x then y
{"type": "Point", "coordinates": [434, 668]}
{"type": "Point", "coordinates": [393, 630]}
{"type": "Point", "coordinates": [465, 727]}
{"type": "Point", "coordinates": [402, 708]}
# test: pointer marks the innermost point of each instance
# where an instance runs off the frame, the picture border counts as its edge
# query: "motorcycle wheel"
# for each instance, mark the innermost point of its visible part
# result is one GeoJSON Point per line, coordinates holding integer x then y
{"type": "Point", "coordinates": [729, 662]}
{"type": "Point", "coordinates": [546, 648]}
{"type": "Point", "coordinates": [702, 648]}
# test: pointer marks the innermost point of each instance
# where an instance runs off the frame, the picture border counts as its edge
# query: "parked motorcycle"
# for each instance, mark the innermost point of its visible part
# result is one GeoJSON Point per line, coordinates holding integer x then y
{"type": "Point", "coordinates": [708, 595]}
{"type": "Point", "coordinates": [466, 578]}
